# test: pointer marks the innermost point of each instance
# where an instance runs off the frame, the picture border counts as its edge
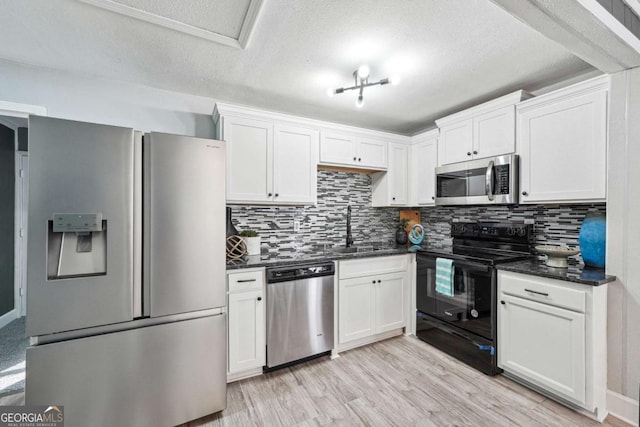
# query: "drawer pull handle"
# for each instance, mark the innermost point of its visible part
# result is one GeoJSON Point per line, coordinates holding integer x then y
{"type": "Point", "coordinates": [536, 292]}
{"type": "Point", "coordinates": [246, 280]}
{"type": "Point", "coordinates": [259, 298]}
{"type": "Point", "coordinates": [502, 302]}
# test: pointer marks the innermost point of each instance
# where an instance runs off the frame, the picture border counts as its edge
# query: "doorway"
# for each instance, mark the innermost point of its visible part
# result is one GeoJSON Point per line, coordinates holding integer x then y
{"type": "Point", "coordinates": [13, 247]}
{"type": "Point", "coordinates": [13, 220]}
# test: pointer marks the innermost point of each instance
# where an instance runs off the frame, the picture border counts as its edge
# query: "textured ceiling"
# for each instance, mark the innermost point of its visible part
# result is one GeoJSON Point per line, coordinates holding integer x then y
{"type": "Point", "coordinates": [450, 54]}
{"type": "Point", "coordinates": [221, 16]}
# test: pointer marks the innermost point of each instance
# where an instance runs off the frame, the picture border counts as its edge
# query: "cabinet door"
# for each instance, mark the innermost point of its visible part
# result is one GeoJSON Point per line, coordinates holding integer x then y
{"type": "Point", "coordinates": [336, 148]}
{"type": "Point", "coordinates": [371, 153]}
{"type": "Point", "coordinates": [246, 331]}
{"type": "Point", "coordinates": [563, 150]}
{"type": "Point", "coordinates": [544, 345]}
{"type": "Point", "coordinates": [249, 159]}
{"type": "Point", "coordinates": [423, 164]}
{"type": "Point", "coordinates": [455, 142]}
{"type": "Point", "coordinates": [356, 305]}
{"type": "Point", "coordinates": [295, 162]}
{"type": "Point", "coordinates": [398, 174]}
{"type": "Point", "coordinates": [494, 133]}
{"type": "Point", "coordinates": [390, 299]}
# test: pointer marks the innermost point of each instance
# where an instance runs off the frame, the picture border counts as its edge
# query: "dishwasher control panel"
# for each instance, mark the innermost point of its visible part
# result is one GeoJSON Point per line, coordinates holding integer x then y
{"type": "Point", "coordinates": [299, 272]}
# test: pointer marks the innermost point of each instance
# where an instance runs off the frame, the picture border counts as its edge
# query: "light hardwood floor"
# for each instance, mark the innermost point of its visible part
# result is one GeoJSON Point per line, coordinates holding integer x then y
{"type": "Point", "coordinates": [398, 382]}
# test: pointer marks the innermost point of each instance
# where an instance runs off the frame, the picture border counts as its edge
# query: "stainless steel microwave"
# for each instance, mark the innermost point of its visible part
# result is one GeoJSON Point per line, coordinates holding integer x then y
{"type": "Point", "coordinates": [490, 181]}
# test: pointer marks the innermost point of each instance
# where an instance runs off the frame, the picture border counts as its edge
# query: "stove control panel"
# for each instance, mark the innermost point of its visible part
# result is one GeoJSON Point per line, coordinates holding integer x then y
{"type": "Point", "coordinates": [492, 231]}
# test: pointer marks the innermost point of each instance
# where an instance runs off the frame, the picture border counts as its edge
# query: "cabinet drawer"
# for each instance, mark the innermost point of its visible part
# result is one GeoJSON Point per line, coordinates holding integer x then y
{"type": "Point", "coordinates": [547, 291]}
{"type": "Point", "coordinates": [372, 266]}
{"type": "Point", "coordinates": [246, 281]}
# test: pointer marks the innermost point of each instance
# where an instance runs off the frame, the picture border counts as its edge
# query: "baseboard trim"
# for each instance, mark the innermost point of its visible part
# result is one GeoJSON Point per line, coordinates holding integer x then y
{"type": "Point", "coordinates": [622, 407]}
{"type": "Point", "coordinates": [8, 317]}
{"type": "Point", "coordinates": [350, 345]}
{"type": "Point", "coordinates": [244, 375]}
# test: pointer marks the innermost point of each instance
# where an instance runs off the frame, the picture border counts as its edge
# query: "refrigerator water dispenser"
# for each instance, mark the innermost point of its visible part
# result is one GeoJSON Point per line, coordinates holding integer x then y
{"type": "Point", "coordinates": [77, 246]}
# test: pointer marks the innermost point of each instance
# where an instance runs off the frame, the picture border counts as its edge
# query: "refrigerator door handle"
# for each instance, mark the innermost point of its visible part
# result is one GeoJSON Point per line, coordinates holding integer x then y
{"type": "Point", "coordinates": [137, 226]}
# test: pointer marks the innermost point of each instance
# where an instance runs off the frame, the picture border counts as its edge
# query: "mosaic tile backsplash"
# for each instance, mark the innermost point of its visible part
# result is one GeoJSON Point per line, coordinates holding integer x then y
{"type": "Point", "coordinates": [325, 223]}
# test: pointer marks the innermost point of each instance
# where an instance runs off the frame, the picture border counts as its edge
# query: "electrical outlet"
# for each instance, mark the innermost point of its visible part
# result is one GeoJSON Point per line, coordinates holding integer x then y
{"type": "Point", "coordinates": [296, 226]}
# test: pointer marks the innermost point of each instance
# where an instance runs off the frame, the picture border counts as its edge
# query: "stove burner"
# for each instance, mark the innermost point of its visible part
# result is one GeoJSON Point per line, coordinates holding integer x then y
{"type": "Point", "coordinates": [489, 243]}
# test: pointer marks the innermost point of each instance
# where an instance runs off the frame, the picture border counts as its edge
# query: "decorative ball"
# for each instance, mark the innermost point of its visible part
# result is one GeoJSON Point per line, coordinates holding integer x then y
{"type": "Point", "coordinates": [236, 247]}
{"type": "Point", "coordinates": [416, 234]}
{"type": "Point", "coordinates": [593, 239]}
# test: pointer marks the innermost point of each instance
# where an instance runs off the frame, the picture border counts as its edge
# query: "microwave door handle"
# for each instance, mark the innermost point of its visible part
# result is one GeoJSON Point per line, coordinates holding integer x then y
{"type": "Point", "coordinates": [489, 181]}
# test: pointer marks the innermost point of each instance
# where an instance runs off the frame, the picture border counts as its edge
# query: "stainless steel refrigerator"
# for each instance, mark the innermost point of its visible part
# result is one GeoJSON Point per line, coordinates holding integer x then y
{"type": "Point", "coordinates": [126, 274]}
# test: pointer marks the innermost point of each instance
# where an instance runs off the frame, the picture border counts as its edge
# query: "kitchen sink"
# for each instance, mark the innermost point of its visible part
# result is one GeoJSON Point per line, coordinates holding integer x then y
{"type": "Point", "coordinates": [358, 249]}
{"type": "Point", "coordinates": [350, 250]}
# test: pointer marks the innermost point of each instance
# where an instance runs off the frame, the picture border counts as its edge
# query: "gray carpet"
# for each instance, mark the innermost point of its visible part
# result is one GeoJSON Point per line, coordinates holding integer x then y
{"type": "Point", "coordinates": [13, 346]}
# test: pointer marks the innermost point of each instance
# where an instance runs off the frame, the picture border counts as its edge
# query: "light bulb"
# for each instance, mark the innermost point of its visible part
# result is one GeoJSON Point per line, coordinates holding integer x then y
{"type": "Point", "coordinates": [394, 80]}
{"type": "Point", "coordinates": [359, 101]}
{"type": "Point", "coordinates": [331, 92]}
{"type": "Point", "coordinates": [363, 71]}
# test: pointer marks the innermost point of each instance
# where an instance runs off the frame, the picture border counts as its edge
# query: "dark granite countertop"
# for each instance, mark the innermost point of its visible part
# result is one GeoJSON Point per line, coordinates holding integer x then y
{"type": "Point", "coordinates": [281, 259]}
{"type": "Point", "coordinates": [576, 273]}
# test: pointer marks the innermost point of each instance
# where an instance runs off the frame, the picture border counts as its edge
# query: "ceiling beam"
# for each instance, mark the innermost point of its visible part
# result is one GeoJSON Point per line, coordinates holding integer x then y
{"type": "Point", "coordinates": [248, 24]}
{"type": "Point", "coordinates": [583, 27]}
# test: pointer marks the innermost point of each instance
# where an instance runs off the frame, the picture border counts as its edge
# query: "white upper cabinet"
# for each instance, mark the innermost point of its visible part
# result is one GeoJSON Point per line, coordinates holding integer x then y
{"type": "Point", "coordinates": [268, 162]}
{"type": "Point", "coordinates": [391, 188]}
{"type": "Point", "coordinates": [342, 149]}
{"type": "Point", "coordinates": [486, 130]}
{"type": "Point", "coordinates": [456, 142]}
{"type": "Point", "coordinates": [562, 142]}
{"type": "Point", "coordinates": [249, 159]}
{"type": "Point", "coordinates": [371, 153]}
{"type": "Point", "coordinates": [423, 162]}
{"type": "Point", "coordinates": [494, 133]}
{"type": "Point", "coordinates": [295, 160]}
{"type": "Point", "coordinates": [337, 148]}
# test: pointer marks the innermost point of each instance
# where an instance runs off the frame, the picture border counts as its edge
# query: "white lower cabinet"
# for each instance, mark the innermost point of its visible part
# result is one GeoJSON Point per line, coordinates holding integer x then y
{"type": "Point", "coordinates": [552, 335]}
{"type": "Point", "coordinates": [375, 302]}
{"type": "Point", "coordinates": [246, 329]}
{"type": "Point", "coordinates": [390, 294]}
{"type": "Point", "coordinates": [544, 344]}
{"type": "Point", "coordinates": [356, 309]}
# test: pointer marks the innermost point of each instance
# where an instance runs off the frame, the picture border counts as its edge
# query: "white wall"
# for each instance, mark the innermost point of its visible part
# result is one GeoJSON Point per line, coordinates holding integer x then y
{"type": "Point", "coordinates": [104, 101]}
{"type": "Point", "coordinates": [623, 238]}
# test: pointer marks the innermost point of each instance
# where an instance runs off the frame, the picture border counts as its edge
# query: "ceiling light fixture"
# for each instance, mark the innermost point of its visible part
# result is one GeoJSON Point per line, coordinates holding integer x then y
{"type": "Point", "coordinates": [361, 80]}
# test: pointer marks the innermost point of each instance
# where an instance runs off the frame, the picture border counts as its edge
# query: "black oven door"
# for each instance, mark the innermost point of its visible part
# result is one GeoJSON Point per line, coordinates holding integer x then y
{"type": "Point", "coordinates": [473, 302]}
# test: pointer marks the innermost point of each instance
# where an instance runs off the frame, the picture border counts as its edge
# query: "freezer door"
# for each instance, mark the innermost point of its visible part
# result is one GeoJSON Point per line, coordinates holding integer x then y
{"type": "Point", "coordinates": [184, 224]}
{"type": "Point", "coordinates": [162, 375]}
{"type": "Point", "coordinates": [84, 169]}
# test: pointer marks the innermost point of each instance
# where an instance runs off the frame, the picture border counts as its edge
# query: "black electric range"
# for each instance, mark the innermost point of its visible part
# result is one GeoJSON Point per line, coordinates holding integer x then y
{"type": "Point", "coordinates": [464, 324]}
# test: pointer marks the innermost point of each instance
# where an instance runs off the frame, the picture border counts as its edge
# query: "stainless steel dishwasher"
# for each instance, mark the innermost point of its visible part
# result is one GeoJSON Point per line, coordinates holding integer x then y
{"type": "Point", "coordinates": [299, 312]}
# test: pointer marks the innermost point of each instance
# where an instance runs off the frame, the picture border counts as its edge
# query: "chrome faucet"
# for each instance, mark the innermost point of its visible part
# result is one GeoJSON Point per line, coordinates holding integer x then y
{"type": "Point", "coordinates": [349, 236]}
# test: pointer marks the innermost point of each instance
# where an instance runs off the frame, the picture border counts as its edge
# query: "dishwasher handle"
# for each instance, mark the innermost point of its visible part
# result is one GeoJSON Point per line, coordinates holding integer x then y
{"type": "Point", "coordinates": [299, 272]}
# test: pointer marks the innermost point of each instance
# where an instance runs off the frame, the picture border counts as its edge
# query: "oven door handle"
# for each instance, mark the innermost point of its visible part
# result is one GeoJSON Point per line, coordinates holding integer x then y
{"type": "Point", "coordinates": [471, 266]}
{"type": "Point", "coordinates": [429, 261]}
{"type": "Point", "coordinates": [488, 185]}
